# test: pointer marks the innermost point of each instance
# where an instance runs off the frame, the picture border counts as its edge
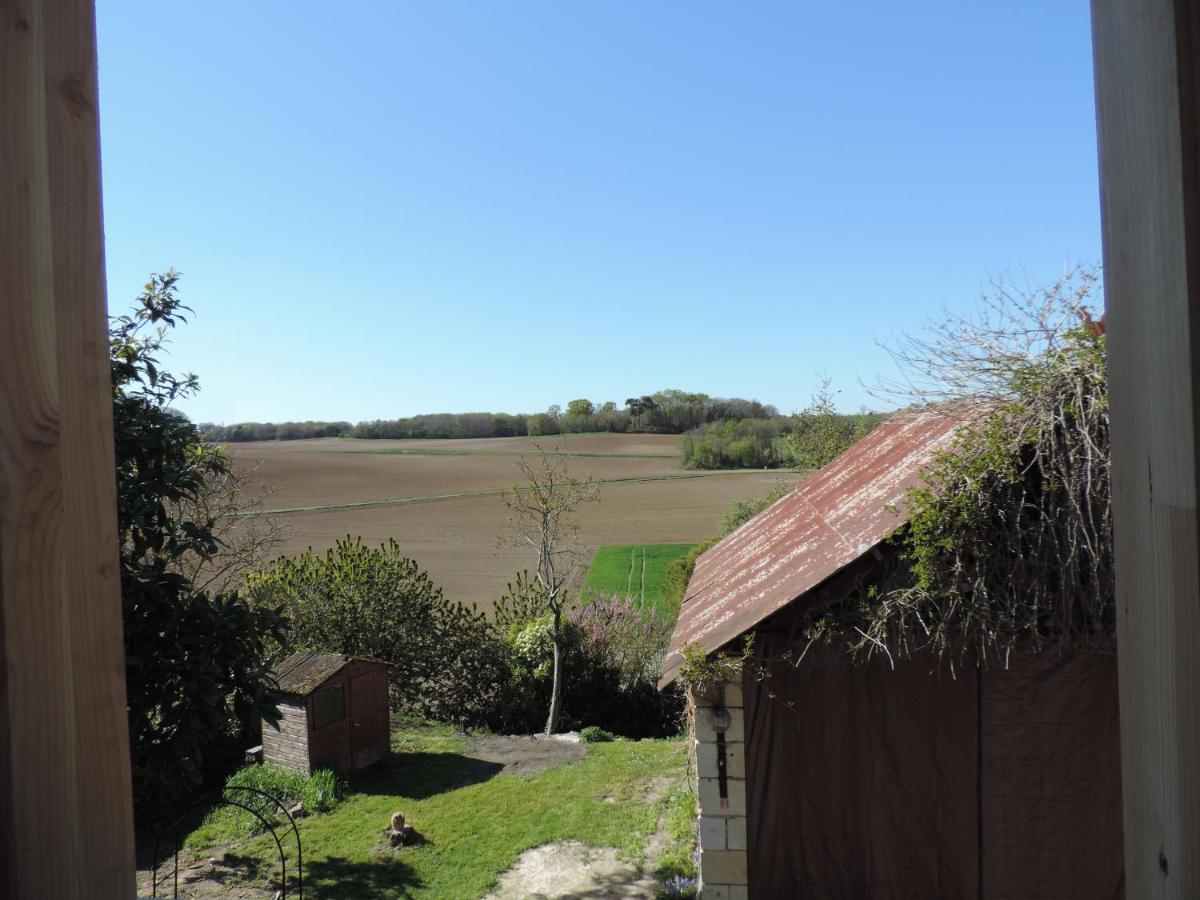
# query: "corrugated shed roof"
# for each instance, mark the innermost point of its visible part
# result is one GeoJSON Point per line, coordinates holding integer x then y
{"type": "Point", "coordinates": [824, 524]}
{"type": "Point", "coordinates": [304, 671]}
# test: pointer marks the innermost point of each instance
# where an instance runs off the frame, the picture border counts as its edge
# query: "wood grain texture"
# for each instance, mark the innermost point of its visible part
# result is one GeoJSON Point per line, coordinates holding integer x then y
{"type": "Point", "coordinates": [286, 746]}
{"type": "Point", "coordinates": [94, 641]}
{"type": "Point", "coordinates": [1146, 109]}
{"type": "Point", "coordinates": [65, 810]}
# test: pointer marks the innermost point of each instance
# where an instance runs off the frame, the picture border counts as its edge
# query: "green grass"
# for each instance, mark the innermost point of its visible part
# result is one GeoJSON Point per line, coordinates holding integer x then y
{"type": "Point", "coordinates": [475, 823]}
{"type": "Point", "coordinates": [677, 860]}
{"type": "Point", "coordinates": [638, 570]}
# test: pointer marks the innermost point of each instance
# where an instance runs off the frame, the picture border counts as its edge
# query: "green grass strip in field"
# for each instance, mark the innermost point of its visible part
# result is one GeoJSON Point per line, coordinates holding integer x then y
{"type": "Point", "coordinates": [636, 570]}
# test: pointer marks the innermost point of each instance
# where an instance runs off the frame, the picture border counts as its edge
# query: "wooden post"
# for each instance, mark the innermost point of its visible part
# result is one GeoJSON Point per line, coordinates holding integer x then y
{"type": "Point", "coordinates": [1147, 103]}
{"type": "Point", "coordinates": [66, 820]}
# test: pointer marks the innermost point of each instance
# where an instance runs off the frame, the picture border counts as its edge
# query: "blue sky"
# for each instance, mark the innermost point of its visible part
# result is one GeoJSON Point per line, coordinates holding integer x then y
{"type": "Point", "coordinates": [389, 208]}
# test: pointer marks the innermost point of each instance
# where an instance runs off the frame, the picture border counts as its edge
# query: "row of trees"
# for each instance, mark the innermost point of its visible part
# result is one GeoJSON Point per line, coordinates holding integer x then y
{"type": "Point", "coordinates": [663, 412]}
{"type": "Point", "coordinates": [273, 431]}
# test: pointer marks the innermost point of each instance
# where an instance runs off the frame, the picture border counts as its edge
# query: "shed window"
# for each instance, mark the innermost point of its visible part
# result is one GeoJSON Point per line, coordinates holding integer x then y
{"type": "Point", "coordinates": [329, 706]}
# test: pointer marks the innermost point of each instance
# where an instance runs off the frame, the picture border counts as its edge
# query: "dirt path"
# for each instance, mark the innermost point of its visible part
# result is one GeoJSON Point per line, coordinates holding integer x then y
{"type": "Point", "coordinates": [526, 754]}
{"type": "Point", "coordinates": [570, 869]}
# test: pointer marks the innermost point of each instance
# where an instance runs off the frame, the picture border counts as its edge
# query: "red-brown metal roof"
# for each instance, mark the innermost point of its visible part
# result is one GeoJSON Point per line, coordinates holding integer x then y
{"type": "Point", "coordinates": [824, 524]}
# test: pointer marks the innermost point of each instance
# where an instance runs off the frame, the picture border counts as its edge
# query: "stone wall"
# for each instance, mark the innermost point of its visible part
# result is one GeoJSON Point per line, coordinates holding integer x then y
{"type": "Point", "coordinates": [722, 819]}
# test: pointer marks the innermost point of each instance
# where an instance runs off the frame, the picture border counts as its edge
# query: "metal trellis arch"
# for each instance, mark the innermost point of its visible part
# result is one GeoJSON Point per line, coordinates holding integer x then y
{"type": "Point", "coordinates": [225, 799]}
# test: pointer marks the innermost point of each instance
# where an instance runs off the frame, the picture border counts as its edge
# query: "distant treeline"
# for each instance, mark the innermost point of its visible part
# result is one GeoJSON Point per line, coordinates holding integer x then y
{"type": "Point", "coordinates": [663, 412]}
{"type": "Point", "coordinates": [273, 431]}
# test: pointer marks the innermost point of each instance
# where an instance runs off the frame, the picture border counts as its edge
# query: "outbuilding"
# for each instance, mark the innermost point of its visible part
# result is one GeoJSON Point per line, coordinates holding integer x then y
{"type": "Point", "coordinates": [891, 778]}
{"type": "Point", "coordinates": [333, 713]}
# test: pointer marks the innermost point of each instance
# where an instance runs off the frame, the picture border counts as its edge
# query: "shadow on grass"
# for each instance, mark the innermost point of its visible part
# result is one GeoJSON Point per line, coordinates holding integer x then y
{"type": "Point", "coordinates": [335, 877]}
{"type": "Point", "coordinates": [420, 775]}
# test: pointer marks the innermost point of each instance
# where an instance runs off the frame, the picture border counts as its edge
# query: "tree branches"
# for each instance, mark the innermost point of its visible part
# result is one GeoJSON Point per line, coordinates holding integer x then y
{"type": "Point", "coordinates": [543, 520]}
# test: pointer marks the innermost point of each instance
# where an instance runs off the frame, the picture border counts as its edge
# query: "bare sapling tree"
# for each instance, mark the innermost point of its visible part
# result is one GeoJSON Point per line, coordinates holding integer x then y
{"type": "Point", "coordinates": [231, 501]}
{"type": "Point", "coordinates": [543, 511]}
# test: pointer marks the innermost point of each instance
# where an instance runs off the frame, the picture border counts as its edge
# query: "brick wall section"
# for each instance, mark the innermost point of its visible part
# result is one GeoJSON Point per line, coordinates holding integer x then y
{"type": "Point", "coordinates": [722, 820]}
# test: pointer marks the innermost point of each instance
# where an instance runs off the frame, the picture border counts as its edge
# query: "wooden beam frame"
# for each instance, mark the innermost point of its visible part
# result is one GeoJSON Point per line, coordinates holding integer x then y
{"type": "Point", "coordinates": [66, 818]}
{"type": "Point", "coordinates": [1147, 102]}
{"type": "Point", "coordinates": [65, 807]}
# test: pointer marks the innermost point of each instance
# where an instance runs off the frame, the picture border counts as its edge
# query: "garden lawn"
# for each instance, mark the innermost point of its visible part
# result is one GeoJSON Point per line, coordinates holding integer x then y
{"type": "Point", "coordinates": [475, 823]}
{"type": "Point", "coordinates": [637, 570]}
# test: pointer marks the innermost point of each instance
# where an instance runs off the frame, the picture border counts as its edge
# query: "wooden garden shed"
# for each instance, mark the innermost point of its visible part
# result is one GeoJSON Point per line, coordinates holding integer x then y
{"type": "Point", "coordinates": [333, 713]}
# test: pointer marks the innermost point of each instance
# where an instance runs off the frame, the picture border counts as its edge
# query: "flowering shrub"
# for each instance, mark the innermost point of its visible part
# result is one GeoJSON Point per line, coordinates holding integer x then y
{"type": "Point", "coordinates": [619, 633]}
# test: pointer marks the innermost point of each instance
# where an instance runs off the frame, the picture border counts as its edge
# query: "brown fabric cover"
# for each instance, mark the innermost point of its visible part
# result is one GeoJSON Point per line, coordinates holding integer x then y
{"type": "Point", "coordinates": [1052, 779]}
{"type": "Point", "coordinates": [867, 788]}
{"type": "Point", "coordinates": [870, 785]}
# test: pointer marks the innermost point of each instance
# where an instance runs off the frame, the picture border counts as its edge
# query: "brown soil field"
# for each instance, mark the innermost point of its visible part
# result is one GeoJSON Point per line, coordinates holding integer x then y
{"type": "Point", "coordinates": [460, 540]}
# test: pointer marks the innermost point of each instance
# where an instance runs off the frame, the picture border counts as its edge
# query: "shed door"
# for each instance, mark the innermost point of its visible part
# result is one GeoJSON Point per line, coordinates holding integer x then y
{"type": "Point", "coordinates": [368, 717]}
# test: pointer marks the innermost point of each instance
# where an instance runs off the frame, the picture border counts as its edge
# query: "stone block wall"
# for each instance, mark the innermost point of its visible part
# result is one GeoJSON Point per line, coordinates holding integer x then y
{"type": "Point", "coordinates": [722, 819]}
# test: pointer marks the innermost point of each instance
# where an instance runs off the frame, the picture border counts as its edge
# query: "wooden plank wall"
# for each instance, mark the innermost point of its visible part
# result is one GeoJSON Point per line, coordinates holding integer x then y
{"type": "Point", "coordinates": [286, 746]}
{"type": "Point", "coordinates": [66, 821]}
{"type": "Point", "coordinates": [1147, 95]}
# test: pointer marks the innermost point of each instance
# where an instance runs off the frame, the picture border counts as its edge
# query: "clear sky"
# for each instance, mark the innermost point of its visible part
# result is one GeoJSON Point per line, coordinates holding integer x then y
{"type": "Point", "coordinates": [389, 208]}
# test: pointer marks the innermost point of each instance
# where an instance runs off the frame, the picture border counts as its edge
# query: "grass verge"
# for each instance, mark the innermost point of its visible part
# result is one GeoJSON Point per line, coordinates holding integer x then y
{"type": "Point", "coordinates": [676, 867]}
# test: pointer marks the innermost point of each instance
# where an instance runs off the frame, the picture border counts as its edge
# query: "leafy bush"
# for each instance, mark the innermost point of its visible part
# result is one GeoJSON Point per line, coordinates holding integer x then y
{"type": "Point", "coordinates": [595, 735]}
{"type": "Point", "coordinates": [319, 792]}
{"type": "Point", "coordinates": [623, 635]}
{"type": "Point", "coordinates": [375, 602]}
{"type": "Point", "coordinates": [679, 573]}
{"type": "Point", "coordinates": [735, 444]}
{"type": "Point", "coordinates": [820, 434]}
{"type": "Point", "coordinates": [611, 658]}
{"type": "Point", "coordinates": [196, 665]}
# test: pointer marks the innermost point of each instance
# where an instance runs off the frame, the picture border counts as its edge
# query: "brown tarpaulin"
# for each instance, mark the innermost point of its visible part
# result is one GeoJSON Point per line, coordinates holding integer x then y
{"type": "Point", "coordinates": [908, 783]}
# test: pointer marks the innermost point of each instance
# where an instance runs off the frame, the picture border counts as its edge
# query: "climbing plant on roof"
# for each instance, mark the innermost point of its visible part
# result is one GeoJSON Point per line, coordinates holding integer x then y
{"type": "Point", "coordinates": [1009, 540]}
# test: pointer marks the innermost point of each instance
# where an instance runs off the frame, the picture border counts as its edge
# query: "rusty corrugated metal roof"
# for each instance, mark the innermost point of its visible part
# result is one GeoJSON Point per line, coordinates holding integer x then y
{"type": "Point", "coordinates": [304, 671]}
{"type": "Point", "coordinates": [824, 524]}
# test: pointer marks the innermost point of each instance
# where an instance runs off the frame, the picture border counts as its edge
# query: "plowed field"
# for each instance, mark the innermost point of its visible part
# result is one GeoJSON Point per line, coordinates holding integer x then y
{"type": "Point", "coordinates": [440, 499]}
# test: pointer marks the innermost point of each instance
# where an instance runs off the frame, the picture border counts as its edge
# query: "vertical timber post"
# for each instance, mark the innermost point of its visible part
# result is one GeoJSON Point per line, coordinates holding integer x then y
{"type": "Point", "coordinates": [66, 820]}
{"type": "Point", "coordinates": [1147, 100]}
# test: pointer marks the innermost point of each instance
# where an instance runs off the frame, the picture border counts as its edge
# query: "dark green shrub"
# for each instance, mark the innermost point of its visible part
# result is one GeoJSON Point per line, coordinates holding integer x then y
{"type": "Point", "coordinates": [595, 735]}
{"type": "Point", "coordinates": [195, 664]}
{"type": "Point", "coordinates": [679, 573]}
{"type": "Point", "coordinates": [375, 602]}
{"type": "Point", "coordinates": [735, 444]}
